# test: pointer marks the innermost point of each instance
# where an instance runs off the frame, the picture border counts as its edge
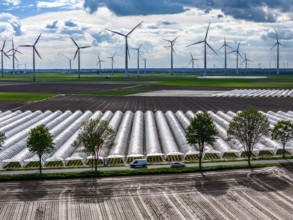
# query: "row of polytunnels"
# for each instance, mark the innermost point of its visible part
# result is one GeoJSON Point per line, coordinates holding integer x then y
{"type": "Point", "coordinates": [156, 136]}
{"type": "Point", "coordinates": [256, 93]}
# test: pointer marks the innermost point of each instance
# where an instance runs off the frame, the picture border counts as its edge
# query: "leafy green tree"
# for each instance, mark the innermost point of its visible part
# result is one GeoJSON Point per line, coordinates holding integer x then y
{"type": "Point", "coordinates": [283, 132]}
{"type": "Point", "coordinates": [93, 135]}
{"type": "Point", "coordinates": [200, 131]}
{"type": "Point", "coordinates": [248, 126]}
{"type": "Point", "coordinates": [2, 139]}
{"type": "Point", "coordinates": [40, 141]}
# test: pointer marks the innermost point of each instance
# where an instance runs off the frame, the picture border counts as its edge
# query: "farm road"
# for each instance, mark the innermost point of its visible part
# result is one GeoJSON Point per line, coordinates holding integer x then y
{"type": "Point", "coordinates": [242, 194]}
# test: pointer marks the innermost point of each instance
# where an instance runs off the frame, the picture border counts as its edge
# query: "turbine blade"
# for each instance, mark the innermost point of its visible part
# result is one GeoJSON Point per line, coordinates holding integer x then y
{"type": "Point", "coordinates": [191, 55]}
{"type": "Point", "coordinates": [173, 41]}
{"type": "Point", "coordinates": [190, 62]}
{"type": "Point", "coordinates": [134, 28]}
{"type": "Point", "coordinates": [199, 42]}
{"type": "Point", "coordinates": [115, 32]}
{"type": "Point", "coordinates": [222, 46]}
{"type": "Point", "coordinates": [37, 39]}
{"type": "Point", "coordinates": [76, 53]}
{"type": "Point", "coordinates": [243, 61]}
{"type": "Point", "coordinates": [74, 42]}
{"type": "Point", "coordinates": [85, 47]}
{"type": "Point", "coordinates": [212, 49]}
{"type": "Point", "coordinates": [26, 46]}
{"type": "Point", "coordinates": [249, 60]}
{"type": "Point", "coordinates": [282, 45]}
{"type": "Point", "coordinates": [234, 51]}
{"type": "Point", "coordinates": [228, 46]}
{"type": "Point", "coordinates": [5, 54]}
{"type": "Point", "coordinates": [37, 53]}
{"type": "Point", "coordinates": [207, 31]}
{"type": "Point", "coordinates": [15, 58]}
{"type": "Point", "coordinates": [167, 40]}
{"type": "Point", "coordinates": [3, 44]}
{"type": "Point", "coordinates": [239, 54]}
{"type": "Point", "coordinates": [18, 51]}
{"type": "Point", "coordinates": [274, 45]}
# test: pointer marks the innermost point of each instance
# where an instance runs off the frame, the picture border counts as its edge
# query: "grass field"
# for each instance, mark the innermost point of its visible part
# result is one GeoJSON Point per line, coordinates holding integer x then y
{"type": "Point", "coordinates": [15, 96]}
{"type": "Point", "coordinates": [164, 79]}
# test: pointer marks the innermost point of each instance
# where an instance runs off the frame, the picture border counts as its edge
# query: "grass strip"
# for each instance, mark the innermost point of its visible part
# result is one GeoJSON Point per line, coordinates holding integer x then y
{"type": "Point", "coordinates": [135, 172]}
{"type": "Point", "coordinates": [16, 96]}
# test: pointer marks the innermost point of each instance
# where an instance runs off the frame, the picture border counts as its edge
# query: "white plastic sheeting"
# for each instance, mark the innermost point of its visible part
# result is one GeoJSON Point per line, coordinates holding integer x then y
{"type": "Point", "coordinates": [135, 149]}
{"type": "Point", "coordinates": [256, 93]}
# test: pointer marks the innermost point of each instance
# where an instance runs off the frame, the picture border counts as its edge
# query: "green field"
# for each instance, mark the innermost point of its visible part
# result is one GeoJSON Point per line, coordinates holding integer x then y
{"type": "Point", "coordinates": [15, 96]}
{"type": "Point", "coordinates": [161, 79]}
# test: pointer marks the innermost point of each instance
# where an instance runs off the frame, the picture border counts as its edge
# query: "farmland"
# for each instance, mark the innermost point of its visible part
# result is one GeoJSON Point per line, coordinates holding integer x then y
{"type": "Point", "coordinates": [260, 194]}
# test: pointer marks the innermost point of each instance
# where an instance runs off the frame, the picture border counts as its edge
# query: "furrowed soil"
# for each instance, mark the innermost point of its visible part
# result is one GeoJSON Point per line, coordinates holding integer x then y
{"type": "Point", "coordinates": [243, 194]}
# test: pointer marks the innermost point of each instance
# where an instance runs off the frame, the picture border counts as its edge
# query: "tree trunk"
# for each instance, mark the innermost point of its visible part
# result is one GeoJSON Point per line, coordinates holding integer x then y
{"type": "Point", "coordinates": [40, 164]}
{"type": "Point", "coordinates": [200, 157]}
{"type": "Point", "coordinates": [96, 163]}
{"type": "Point", "coordinates": [284, 151]}
{"type": "Point", "coordinates": [248, 156]}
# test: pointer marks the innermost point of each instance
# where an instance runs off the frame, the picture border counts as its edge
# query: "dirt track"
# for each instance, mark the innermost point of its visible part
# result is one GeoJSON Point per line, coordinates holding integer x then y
{"type": "Point", "coordinates": [262, 194]}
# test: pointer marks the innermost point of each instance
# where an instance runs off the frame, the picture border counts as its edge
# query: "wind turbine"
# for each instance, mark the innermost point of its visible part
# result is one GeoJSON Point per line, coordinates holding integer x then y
{"type": "Point", "coordinates": [172, 43]}
{"type": "Point", "coordinates": [34, 55]}
{"type": "Point", "coordinates": [78, 53]}
{"type": "Point", "coordinates": [127, 55]}
{"type": "Point", "coordinates": [70, 63]}
{"type": "Point", "coordinates": [278, 53]}
{"type": "Point", "coordinates": [138, 55]}
{"type": "Point", "coordinates": [112, 62]}
{"type": "Point", "coordinates": [5, 54]}
{"type": "Point", "coordinates": [100, 64]}
{"type": "Point", "coordinates": [145, 63]}
{"type": "Point", "coordinates": [192, 60]}
{"type": "Point", "coordinates": [246, 60]}
{"type": "Point", "coordinates": [237, 53]}
{"type": "Point", "coordinates": [225, 45]}
{"type": "Point", "coordinates": [14, 51]}
{"type": "Point", "coordinates": [205, 48]}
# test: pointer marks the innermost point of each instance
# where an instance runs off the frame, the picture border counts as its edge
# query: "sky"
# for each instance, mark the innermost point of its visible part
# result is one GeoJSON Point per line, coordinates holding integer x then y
{"type": "Point", "coordinates": [254, 23]}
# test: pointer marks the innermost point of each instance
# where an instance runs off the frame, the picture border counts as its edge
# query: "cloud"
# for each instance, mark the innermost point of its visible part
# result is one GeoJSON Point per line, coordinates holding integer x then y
{"type": "Point", "coordinates": [253, 10]}
{"type": "Point", "coordinates": [10, 23]}
{"type": "Point", "coordinates": [60, 3]}
{"type": "Point", "coordinates": [284, 34]}
{"type": "Point", "coordinates": [52, 26]}
{"type": "Point", "coordinates": [13, 2]}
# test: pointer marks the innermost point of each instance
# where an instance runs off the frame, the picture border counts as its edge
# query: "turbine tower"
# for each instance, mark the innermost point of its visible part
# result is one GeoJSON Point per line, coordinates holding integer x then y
{"type": "Point", "coordinates": [278, 53]}
{"type": "Point", "coordinates": [70, 63]}
{"type": "Point", "coordinates": [205, 48]}
{"type": "Point", "coordinates": [172, 43]}
{"type": "Point", "coordinates": [78, 53]}
{"type": "Point", "coordinates": [34, 55]}
{"type": "Point", "coordinates": [246, 60]}
{"type": "Point", "coordinates": [138, 56]}
{"type": "Point", "coordinates": [127, 55]}
{"type": "Point", "coordinates": [14, 51]}
{"type": "Point", "coordinates": [237, 58]}
{"type": "Point", "coordinates": [145, 64]}
{"type": "Point", "coordinates": [100, 64]}
{"type": "Point", "coordinates": [225, 45]}
{"type": "Point", "coordinates": [5, 54]}
{"type": "Point", "coordinates": [112, 62]}
{"type": "Point", "coordinates": [192, 61]}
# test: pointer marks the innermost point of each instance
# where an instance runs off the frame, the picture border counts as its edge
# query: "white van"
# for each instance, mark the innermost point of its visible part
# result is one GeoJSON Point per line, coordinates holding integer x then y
{"type": "Point", "coordinates": [139, 163]}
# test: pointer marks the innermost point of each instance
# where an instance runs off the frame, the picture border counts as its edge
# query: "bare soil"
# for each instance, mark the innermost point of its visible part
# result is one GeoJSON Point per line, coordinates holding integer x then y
{"type": "Point", "coordinates": [243, 194]}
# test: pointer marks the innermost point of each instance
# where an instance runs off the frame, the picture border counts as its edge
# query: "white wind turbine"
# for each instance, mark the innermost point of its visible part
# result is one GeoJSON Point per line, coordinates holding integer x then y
{"type": "Point", "coordinates": [225, 45]}
{"type": "Point", "coordinates": [172, 43]}
{"type": "Point", "coordinates": [78, 53]}
{"type": "Point", "coordinates": [278, 53]}
{"type": "Point", "coordinates": [34, 55]}
{"type": "Point", "coordinates": [112, 62]}
{"type": "Point", "coordinates": [205, 48]}
{"type": "Point", "coordinates": [237, 58]}
{"type": "Point", "coordinates": [3, 53]}
{"type": "Point", "coordinates": [127, 55]}
{"type": "Point", "coordinates": [100, 64]}
{"type": "Point", "coordinates": [192, 61]}
{"type": "Point", "coordinates": [246, 60]}
{"type": "Point", "coordinates": [138, 57]}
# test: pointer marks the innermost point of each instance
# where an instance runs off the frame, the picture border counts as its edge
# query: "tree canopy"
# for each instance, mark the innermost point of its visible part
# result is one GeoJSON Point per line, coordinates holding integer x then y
{"type": "Point", "coordinates": [93, 135]}
{"type": "Point", "coordinates": [40, 141]}
{"type": "Point", "coordinates": [283, 132]}
{"type": "Point", "coordinates": [248, 126]}
{"type": "Point", "coordinates": [200, 131]}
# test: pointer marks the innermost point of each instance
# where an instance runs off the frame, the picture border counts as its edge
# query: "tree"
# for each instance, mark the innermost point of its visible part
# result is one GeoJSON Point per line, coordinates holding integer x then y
{"type": "Point", "coordinates": [2, 139]}
{"type": "Point", "coordinates": [93, 135]}
{"type": "Point", "coordinates": [283, 131]}
{"type": "Point", "coordinates": [200, 131]}
{"type": "Point", "coordinates": [40, 141]}
{"type": "Point", "coordinates": [248, 126]}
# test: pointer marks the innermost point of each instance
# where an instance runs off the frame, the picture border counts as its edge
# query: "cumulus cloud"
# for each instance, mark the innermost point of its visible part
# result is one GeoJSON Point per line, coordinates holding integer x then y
{"type": "Point", "coordinates": [284, 34]}
{"type": "Point", "coordinates": [13, 2]}
{"type": "Point", "coordinates": [52, 25]}
{"type": "Point", "coordinates": [253, 10]}
{"type": "Point", "coordinates": [60, 3]}
{"type": "Point", "coordinates": [10, 24]}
